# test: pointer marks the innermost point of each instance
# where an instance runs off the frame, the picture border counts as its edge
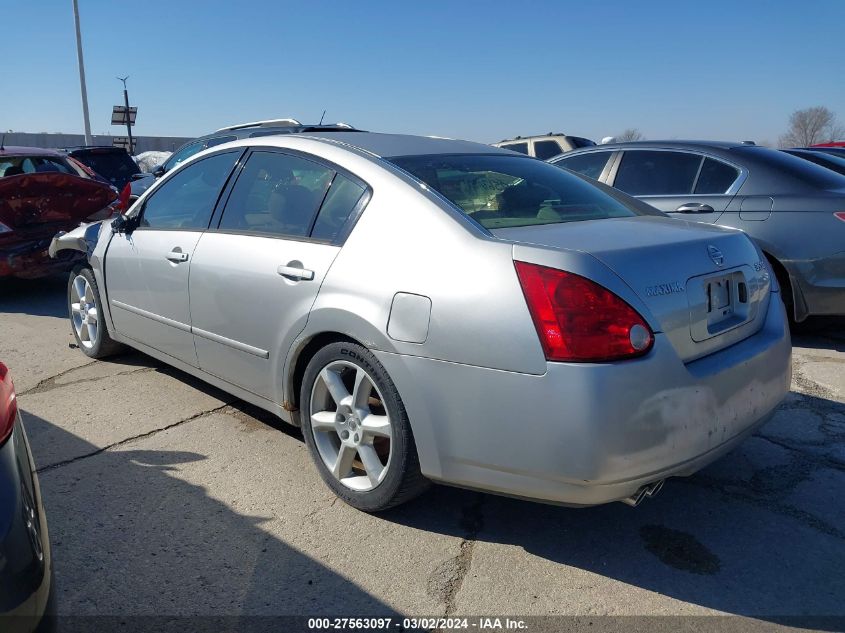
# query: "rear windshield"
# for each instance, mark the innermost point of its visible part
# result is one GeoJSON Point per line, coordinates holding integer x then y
{"type": "Point", "coordinates": [500, 191]}
{"type": "Point", "coordinates": [809, 173]}
{"type": "Point", "coordinates": [116, 166]}
{"type": "Point", "coordinates": [578, 141]}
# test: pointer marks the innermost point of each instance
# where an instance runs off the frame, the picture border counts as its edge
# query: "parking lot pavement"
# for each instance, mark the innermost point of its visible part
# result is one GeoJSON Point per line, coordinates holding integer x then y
{"type": "Point", "coordinates": [166, 496]}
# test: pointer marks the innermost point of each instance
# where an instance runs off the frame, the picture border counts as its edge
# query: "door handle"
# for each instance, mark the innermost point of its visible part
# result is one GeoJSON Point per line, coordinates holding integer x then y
{"type": "Point", "coordinates": [694, 207]}
{"type": "Point", "coordinates": [176, 256]}
{"type": "Point", "coordinates": [295, 273]}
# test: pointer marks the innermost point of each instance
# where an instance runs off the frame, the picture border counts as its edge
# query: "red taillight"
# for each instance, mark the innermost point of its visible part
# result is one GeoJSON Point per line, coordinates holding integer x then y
{"type": "Point", "coordinates": [840, 215]}
{"type": "Point", "coordinates": [578, 320]}
{"type": "Point", "coordinates": [8, 404]}
{"type": "Point", "coordinates": [124, 198]}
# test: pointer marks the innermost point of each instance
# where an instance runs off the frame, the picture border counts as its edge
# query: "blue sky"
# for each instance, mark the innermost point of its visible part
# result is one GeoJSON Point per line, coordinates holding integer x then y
{"type": "Point", "coordinates": [481, 70]}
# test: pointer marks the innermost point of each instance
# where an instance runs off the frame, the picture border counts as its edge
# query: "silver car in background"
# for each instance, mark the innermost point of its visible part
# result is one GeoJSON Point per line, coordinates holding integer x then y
{"type": "Point", "coordinates": [793, 209]}
{"type": "Point", "coordinates": [438, 310]}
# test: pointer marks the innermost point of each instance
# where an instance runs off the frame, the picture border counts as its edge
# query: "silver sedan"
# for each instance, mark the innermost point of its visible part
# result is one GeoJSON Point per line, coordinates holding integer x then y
{"type": "Point", "coordinates": [437, 310]}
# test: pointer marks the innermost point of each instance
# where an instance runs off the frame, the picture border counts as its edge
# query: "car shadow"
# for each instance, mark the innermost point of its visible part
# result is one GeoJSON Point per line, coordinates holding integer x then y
{"type": "Point", "coordinates": [39, 297]}
{"type": "Point", "coordinates": [759, 533]}
{"type": "Point", "coordinates": [820, 333]}
{"type": "Point", "coordinates": [131, 537]}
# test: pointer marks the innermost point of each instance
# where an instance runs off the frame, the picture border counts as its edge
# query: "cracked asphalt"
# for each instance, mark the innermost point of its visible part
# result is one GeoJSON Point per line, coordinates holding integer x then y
{"type": "Point", "coordinates": [166, 496]}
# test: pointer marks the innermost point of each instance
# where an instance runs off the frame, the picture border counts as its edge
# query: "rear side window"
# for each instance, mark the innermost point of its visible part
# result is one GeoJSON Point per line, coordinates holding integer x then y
{"type": "Point", "coordinates": [522, 148]}
{"type": "Point", "coordinates": [500, 190]}
{"type": "Point", "coordinates": [341, 199]}
{"type": "Point", "coordinates": [716, 177]}
{"type": "Point", "coordinates": [186, 200]}
{"type": "Point", "coordinates": [546, 149]}
{"type": "Point", "coordinates": [277, 195]}
{"type": "Point", "coordinates": [590, 164]}
{"type": "Point", "coordinates": [655, 173]}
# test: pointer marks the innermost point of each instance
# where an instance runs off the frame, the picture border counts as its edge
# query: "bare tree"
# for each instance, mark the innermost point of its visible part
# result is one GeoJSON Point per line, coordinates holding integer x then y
{"type": "Point", "coordinates": [811, 126]}
{"type": "Point", "coordinates": [631, 134]}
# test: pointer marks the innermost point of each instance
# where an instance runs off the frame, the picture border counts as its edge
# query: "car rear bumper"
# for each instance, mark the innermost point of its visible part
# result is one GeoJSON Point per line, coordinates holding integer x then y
{"type": "Point", "coordinates": [822, 284]}
{"type": "Point", "coordinates": [25, 578]}
{"type": "Point", "coordinates": [585, 434]}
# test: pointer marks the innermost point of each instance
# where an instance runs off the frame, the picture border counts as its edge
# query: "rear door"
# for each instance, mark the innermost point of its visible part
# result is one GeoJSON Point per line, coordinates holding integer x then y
{"type": "Point", "coordinates": [256, 275]}
{"type": "Point", "coordinates": [689, 184]}
{"type": "Point", "coordinates": [146, 270]}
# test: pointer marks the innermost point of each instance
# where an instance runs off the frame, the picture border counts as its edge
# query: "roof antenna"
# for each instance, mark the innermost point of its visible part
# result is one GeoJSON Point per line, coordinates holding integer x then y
{"type": "Point", "coordinates": [322, 117]}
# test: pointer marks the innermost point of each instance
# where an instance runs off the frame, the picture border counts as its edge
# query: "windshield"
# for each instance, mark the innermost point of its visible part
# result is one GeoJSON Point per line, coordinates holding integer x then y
{"type": "Point", "coordinates": [500, 191]}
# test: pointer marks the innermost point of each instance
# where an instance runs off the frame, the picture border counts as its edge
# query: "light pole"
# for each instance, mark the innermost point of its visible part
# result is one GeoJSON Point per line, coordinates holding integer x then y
{"type": "Point", "coordinates": [128, 117]}
{"type": "Point", "coordinates": [88, 139]}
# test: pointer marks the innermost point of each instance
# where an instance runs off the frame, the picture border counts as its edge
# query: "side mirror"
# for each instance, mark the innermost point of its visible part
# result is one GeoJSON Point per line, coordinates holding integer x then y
{"type": "Point", "coordinates": [158, 172]}
{"type": "Point", "coordinates": [124, 224]}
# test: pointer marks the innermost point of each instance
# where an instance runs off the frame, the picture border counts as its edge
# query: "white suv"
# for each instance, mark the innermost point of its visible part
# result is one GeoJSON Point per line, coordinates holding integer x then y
{"type": "Point", "coordinates": [546, 146]}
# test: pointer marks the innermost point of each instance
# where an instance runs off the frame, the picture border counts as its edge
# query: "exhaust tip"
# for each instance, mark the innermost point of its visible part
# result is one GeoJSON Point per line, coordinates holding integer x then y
{"type": "Point", "coordinates": [648, 490]}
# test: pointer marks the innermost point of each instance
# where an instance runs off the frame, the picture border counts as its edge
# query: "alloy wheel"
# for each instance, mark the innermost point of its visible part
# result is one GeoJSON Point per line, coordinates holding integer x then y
{"type": "Point", "coordinates": [84, 312]}
{"type": "Point", "coordinates": [351, 427]}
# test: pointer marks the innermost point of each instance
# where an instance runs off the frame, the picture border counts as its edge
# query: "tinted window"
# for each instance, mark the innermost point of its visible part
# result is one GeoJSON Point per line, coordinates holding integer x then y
{"type": "Point", "coordinates": [651, 173]}
{"type": "Point", "coordinates": [276, 194]}
{"type": "Point", "coordinates": [501, 191]}
{"type": "Point", "coordinates": [715, 177]}
{"type": "Point", "coordinates": [212, 142]}
{"type": "Point", "coordinates": [590, 164]}
{"type": "Point", "coordinates": [340, 201]}
{"type": "Point", "coordinates": [16, 165]}
{"type": "Point", "coordinates": [577, 141]}
{"type": "Point", "coordinates": [183, 154]}
{"type": "Point", "coordinates": [186, 200]}
{"type": "Point", "coordinates": [791, 166]}
{"type": "Point", "coordinates": [522, 148]}
{"type": "Point", "coordinates": [117, 167]}
{"type": "Point", "coordinates": [546, 149]}
{"type": "Point", "coordinates": [825, 160]}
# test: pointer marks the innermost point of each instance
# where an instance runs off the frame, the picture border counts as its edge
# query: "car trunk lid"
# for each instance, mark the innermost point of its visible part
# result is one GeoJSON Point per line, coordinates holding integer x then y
{"type": "Point", "coordinates": [28, 200]}
{"type": "Point", "coordinates": [706, 287]}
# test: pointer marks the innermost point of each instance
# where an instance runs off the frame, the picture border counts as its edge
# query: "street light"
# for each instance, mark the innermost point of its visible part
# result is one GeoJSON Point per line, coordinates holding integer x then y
{"type": "Point", "coordinates": [88, 139]}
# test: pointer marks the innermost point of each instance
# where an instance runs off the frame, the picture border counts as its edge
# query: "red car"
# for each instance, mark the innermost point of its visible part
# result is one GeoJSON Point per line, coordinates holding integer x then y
{"type": "Point", "coordinates": [831, 144]}
{"type": "Point", "coordinates": [42, 192]}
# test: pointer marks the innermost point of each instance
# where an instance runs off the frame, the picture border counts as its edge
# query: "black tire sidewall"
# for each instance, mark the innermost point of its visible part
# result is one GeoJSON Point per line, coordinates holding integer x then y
{"type": "Point", "coordinates": [402, 444]}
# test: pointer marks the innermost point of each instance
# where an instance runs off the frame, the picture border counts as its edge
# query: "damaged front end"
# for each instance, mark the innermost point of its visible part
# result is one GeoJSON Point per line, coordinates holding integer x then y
{"type": "Point", "coordinates": [35, 207]}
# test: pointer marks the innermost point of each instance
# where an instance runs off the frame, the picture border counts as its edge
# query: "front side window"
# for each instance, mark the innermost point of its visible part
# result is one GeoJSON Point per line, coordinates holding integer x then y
{"type": "Point", "coordinates": [546, 149]}
{"type": "Point", "coordinates": [276, 194]}
{"type": "Point", "coordinates": [187, 199]}
{"type": "Point", "coordinates": [500, 191]}
{"type": "Point", "coordinates": [590, 164]}
{"type": "Point", "coordinates": [522, 148]}
{"type": "Point", "coordinates": [716, 177]}
{"type": "Point", "coordinates": [657, 173]}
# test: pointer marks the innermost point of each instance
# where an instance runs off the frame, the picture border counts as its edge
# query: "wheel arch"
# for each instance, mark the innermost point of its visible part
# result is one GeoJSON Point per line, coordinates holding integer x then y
{"type": "Point", "coordinates": [788, 286]}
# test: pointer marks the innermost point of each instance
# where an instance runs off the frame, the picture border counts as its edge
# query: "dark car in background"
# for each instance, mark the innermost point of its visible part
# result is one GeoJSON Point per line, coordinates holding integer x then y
{"type": "Point", "coordinates": [226, 134]}
{"type": "Point", "coordinates": [42, 192]}
{"type": "Point", "coordinates": [831, 161]}
{"type": "Point", "coordinates": [793, 209]}
{"type": "Point", "coordinates": [112, 163]}
{"type": "Point", "coordinates": [832, 151]}
{"type": "Point", "coordinates": [25, 563]}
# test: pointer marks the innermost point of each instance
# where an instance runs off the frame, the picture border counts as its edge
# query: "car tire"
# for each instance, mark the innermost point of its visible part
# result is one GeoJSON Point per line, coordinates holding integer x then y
{"type": "Point", "coordinates": [86, 320]}
{"type": "Point", "coordinates": [352, 415]}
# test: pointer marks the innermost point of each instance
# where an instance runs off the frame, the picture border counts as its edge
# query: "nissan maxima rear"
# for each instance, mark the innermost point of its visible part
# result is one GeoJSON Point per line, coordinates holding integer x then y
{"type": "Point", "coordinates": [437, 310]}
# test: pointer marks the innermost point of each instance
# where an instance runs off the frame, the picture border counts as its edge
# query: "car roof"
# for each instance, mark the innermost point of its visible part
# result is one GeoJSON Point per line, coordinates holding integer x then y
{"type": "Point", "coordinates": [87, 148]}
{"type": "Point", "coordinates": [248, 130]}
{"type": "Point", "coordinates": [392, 145]}
{"type": "Point", "coordinates": [19, 150]}
{"type": "Point", "coordinates": [674, 144]}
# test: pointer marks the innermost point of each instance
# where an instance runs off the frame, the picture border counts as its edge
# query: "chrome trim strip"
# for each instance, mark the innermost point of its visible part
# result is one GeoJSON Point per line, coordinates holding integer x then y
{"type": "Point", "coordinates": [243, 347]}
{"type": "Point", "coordinates": [151, 315]}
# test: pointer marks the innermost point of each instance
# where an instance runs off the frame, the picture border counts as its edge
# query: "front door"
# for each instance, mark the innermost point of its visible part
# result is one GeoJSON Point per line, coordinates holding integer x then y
{"type": "Point", "coordinates": [255, 277]}
{"type": "Point", "coordinates": [147, 269]}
